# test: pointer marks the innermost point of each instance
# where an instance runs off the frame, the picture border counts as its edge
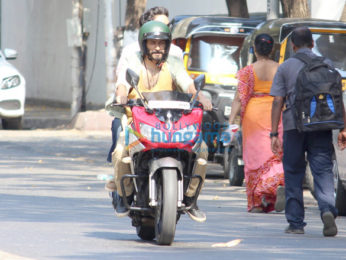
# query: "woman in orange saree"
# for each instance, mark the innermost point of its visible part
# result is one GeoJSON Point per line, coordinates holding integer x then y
{"type": "Point", "coordinates": [264, 175]}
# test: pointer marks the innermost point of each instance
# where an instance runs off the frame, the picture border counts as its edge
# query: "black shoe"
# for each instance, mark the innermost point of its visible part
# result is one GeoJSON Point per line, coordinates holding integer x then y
{"type": "Point", "coordinates": [194, 212]}
{"type": "Point", "coordinates": [329, 228]}
{"type": "Point", "coordinates": [293, 230]}
{"type": "Point", "coordinates": [119, 206]}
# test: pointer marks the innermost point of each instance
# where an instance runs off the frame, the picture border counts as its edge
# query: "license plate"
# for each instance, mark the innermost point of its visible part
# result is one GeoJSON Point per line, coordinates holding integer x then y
{"type": "Point", "coordinates": [227, 110]}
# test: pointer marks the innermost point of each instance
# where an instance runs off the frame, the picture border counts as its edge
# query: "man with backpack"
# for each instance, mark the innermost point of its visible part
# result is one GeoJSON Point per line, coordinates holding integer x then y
{"type": "Point", "coordinates": [311, 90]}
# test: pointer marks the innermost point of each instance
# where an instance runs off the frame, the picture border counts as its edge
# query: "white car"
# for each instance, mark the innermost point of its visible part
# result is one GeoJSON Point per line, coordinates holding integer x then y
{"type": "Point", "coordinates": [12, 92]}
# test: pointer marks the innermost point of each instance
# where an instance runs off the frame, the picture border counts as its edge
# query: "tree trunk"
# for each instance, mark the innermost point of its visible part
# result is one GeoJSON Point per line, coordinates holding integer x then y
{"type": "Point", "coordinates": [110, 51]}
{"type": "Point", "coordinates": [78, 60]}
{"type": "Point", "coordinates": [134, 10]}
{"type": "Point", "coordinates": [343, 15]}
{"type": "Point", "coordinates": [295, 8]}
{"type": "Point", "coordinates": [237, 8]}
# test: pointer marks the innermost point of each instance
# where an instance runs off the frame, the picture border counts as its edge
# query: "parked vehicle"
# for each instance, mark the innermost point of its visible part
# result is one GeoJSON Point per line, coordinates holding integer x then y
{"type": "Point", "coordinates": [163, 140]}
{"type": "Point", "coordinates": [211, 47]}
{"type": "Point", "coordinates": [12, 92]}
{"type": "Point", "coordinates": [330, 42]}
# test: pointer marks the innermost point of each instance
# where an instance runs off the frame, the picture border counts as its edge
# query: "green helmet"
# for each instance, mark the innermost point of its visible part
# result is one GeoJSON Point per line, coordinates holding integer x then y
{"type": "Point", "coordinates": [154, 30]}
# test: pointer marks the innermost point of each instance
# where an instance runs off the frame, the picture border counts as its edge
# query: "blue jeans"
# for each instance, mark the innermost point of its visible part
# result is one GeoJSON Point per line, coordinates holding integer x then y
{"type": "Point", "coordinates": [116, 129]}
{"type": "Point", "coordinates": [319, 148]}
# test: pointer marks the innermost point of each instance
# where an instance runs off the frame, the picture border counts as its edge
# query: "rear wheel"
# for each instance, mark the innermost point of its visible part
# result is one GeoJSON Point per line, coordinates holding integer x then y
{"type": "Point", "coordinates": [226, 162]}
{"type": "Point", "coordinates": [12, 123]}
{"type": "Point", "coordinates": [340, 192]}
{"type": "Point", "coordinates": [166, 210]}
{"type": "Point", "coordinates": [235, 171]}
{"type": "Point", "coordinates": [309, 180]}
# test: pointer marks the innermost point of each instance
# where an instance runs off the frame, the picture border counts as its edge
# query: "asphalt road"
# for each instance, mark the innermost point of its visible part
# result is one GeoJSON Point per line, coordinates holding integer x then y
{"type": "Point", "coordinates": [54, 206]}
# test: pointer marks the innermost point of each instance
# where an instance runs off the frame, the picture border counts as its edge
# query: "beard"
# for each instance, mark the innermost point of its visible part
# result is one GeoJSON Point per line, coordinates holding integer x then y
{"type": "Point", "coordinates": [156, 56]}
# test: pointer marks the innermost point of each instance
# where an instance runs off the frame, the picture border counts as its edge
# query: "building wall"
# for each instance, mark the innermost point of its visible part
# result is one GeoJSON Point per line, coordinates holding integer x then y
{"type": "Point", "coordinates": [37, 30]}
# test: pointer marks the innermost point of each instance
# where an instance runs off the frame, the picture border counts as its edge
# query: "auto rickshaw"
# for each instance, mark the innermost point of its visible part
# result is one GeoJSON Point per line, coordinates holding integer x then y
{"type": "Point", "coordinates": [330, 42]}
{"type": "Point", "coordinates": [211, 46]}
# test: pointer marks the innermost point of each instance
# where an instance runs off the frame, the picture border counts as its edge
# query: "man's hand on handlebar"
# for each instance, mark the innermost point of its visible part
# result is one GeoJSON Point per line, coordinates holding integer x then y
{"type": "Point", "coordinates": [207, 105]}
{"type": "Point", "coordinates": [121, 100]}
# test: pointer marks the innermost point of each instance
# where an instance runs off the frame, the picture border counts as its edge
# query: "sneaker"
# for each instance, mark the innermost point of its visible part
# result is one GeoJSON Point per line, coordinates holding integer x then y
{"type": "Point", "coordinates": [293, 230]}
{"type": "Point", "coordinates": [194, 212]}
{"type": "Point", "coordinates": [280, 202]}
{"type": "Point", "coordinates": [119, 206]}
{"type": "Point", "coordinates": [329, 228]}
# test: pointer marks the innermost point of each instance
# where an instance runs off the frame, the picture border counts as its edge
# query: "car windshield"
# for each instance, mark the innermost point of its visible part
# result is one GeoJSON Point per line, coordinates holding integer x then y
{"type": "Point", "coordinates": [215, 54]}
{"type": "Point", "coordinates": [331, 46]}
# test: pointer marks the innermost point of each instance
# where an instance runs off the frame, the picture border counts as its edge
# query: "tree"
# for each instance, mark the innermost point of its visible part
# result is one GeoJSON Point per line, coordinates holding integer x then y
{"type": "Point", "coordinates": [295, 8]}
{"type": "Point", "coordinates": [237, 8]}
{"type": "Point", "coordinates": [78, 58]}
{"type": "Point", "coordinates": [343, 15]}
{"type": "Point", "coordinates": [134, 10]}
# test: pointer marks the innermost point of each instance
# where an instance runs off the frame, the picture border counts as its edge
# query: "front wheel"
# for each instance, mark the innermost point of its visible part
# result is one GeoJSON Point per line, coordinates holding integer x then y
{"type": "Point", "coordinates": [166, 210]}
{"type": "Point", "coordinates": [235, 171]}
{"type": "Point", "coordinates": [12, 123]}
{"type": "Point", "coordinates": [340, 192]}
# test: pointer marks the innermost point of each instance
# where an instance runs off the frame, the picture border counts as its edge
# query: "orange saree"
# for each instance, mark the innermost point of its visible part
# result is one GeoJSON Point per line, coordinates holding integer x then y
{"type": "Point", "coordinates": [263, 170]}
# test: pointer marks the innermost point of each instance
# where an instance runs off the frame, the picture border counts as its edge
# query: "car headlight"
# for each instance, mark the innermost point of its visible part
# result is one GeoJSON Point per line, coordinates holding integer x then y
{"type": "Point", "coordinates": [10, 82]}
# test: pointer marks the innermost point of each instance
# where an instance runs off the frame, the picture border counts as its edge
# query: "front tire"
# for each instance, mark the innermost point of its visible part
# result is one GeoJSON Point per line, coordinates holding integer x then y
{"type": "Point", "coordinates": [12, 123]}
{"type": "Point", "coordinates": [235, 171]}
{"type": "Point", "coordinates": [340, 192]}
{"type": "Point", "coordinates": [166, 210]}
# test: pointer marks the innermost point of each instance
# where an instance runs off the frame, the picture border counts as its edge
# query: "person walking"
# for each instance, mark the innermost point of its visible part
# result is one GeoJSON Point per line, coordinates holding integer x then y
{"type": "Point", "coordinates": [263, 169]}
{"type": "Point", "coordinates": [317, 144]}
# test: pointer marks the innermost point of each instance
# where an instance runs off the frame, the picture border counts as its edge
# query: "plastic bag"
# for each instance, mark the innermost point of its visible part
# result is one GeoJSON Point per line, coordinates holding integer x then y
{"type": "Point", "coordinates": [228, 134]}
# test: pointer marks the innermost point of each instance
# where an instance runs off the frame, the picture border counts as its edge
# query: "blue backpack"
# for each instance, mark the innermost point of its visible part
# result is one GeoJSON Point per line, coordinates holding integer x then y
{"type": "Point", "coordinates": [318, 96]}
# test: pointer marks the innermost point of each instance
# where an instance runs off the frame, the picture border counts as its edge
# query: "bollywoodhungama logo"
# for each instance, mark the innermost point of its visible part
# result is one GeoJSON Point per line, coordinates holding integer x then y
{"type": "Point", "coordinates": [173, 133]}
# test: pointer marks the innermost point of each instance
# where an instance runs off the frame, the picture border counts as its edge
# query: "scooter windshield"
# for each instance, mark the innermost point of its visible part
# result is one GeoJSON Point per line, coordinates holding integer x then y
{"type": "Point", "coordinates": [167, 95]}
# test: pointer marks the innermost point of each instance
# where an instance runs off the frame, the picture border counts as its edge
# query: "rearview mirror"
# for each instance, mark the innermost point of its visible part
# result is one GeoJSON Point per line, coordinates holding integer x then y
{"type": "Point", "coordinates": [132, 78]}
{"type": "Point", "coordinates": [10, 54]}
{"type": "Point", "coordinates": [199, 82]}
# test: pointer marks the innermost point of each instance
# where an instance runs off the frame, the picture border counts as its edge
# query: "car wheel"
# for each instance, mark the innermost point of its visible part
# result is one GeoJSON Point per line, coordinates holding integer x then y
{"type": "Point", "coordinates": [235, 172]}
{"type": "Point", "coordinates": [309, 180]}
{"type": "Point", "coordinates": [226, 163]}
{"type": "Point", "coordinates": [340, 192]}
{"type": "Point", "coordinates": [12, 123]}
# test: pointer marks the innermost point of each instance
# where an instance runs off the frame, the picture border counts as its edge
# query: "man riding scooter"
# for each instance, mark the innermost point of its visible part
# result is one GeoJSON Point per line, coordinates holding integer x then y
{"type": "Point", "coordinates": [157, 72]}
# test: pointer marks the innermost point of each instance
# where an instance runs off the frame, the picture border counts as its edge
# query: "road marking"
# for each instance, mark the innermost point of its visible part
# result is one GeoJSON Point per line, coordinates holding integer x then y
{"type": "Point", "coordinates": [8, 256]}
{"type": "Point", "coordinates": [231, 243]}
